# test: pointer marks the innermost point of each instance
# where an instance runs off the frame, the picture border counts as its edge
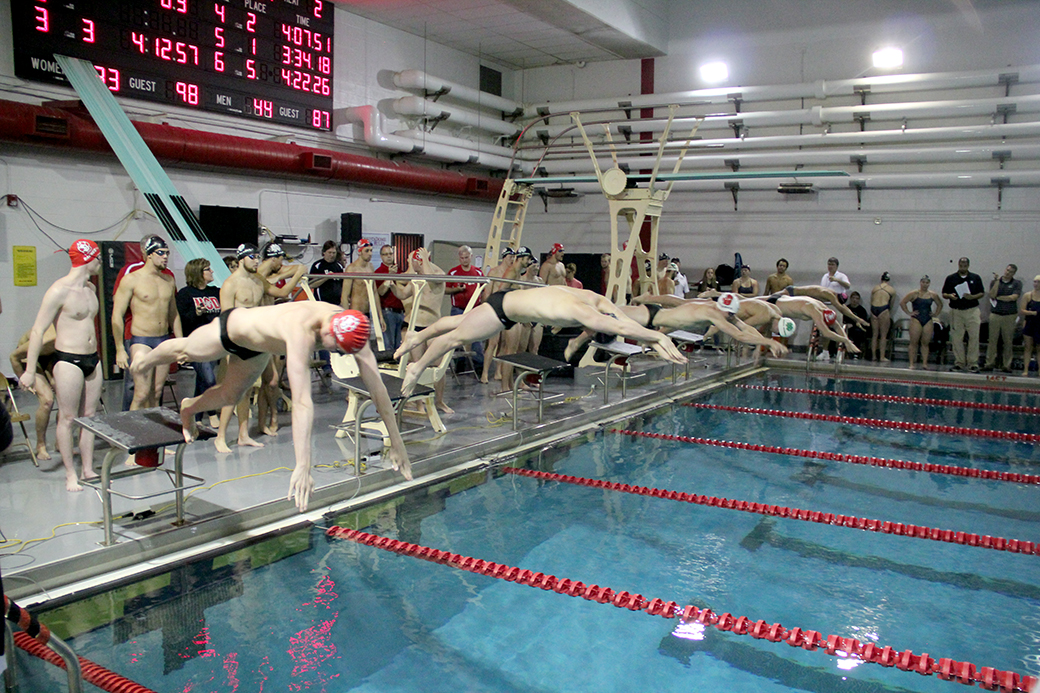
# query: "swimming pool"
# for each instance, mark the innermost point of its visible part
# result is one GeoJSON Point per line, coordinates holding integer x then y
{"type": "Point", "coordinates": [304, 612]}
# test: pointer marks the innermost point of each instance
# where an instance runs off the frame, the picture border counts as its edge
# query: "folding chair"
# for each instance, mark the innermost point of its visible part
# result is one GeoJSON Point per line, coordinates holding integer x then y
{"type": "Point", "coordinates": [20, 419]}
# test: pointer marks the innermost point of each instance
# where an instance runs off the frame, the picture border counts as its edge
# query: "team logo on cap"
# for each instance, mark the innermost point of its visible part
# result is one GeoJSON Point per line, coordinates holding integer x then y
{"type": "Point", "coordinates": [786, 327]}
{"type": "Point", "coordinates": [350, 329]}
{"type": "Point", "coordinates": [728, 302]}
{"type": "Point", "coordinates": [273, 250]}
{"type": "Point", "coordinates": [829, 317]}
{"type": "Point", "coordinates": [83, 251]}
{"type": "Point", "coordinates": [557, 248]}
{"type": "Point", "coordinates": [507, 251]}
{"type": "Point", "coordinates": [364, 243]}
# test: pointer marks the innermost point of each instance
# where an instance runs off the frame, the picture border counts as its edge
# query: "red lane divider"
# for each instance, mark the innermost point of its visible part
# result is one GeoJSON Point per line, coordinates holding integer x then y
{"type": "Point", "coordinates": [948, 386]}
{"type": "Point", "coordinates": [851, 459]}
{"type": "Point", "coordinates": [92, 673]}
{"type": "Point", "coordinates": [1015, 408]}
{"type": "Point", "coordinates": [946, 669]}
{"type": "Point", "coordinates": [882, 526]}
{"type": "Point", "coordinates": [880, 423]}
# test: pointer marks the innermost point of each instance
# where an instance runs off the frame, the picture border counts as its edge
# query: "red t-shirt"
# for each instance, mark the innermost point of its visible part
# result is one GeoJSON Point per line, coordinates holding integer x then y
{"type": "Point", "coordinates": [388, 300]}
{"type": "Point", "coordinates": [460, 299]}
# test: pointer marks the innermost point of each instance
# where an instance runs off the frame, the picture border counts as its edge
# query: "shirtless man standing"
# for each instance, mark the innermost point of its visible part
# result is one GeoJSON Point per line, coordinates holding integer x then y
{"type": "Point", "coordinates": [151, 296]}
{"type": "Point", "coordinates": [245, 288]}
{"type": "Point", "coordinates": [553, 271]}
{"type": "Point", "coordinates": [355, 292]}
{"type": "Point", "coordinates": [71, 305]}
{"type": "Point", "coordinates": [430, 299]}
{"type": "Point", "coordinates": [506, 269]}
{"type": "Point", "coordinates": [281, 276]}
{"type": "Point", "coordinates": [556, 306]}
{"type": "Point", "coordinates": [249, 337]}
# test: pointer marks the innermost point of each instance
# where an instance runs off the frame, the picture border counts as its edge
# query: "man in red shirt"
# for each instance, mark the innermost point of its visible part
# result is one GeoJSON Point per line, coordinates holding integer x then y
{"type": "Point", "coordinates": [461, 293]}
{"type": "Point", "coordinates": [393, 309]}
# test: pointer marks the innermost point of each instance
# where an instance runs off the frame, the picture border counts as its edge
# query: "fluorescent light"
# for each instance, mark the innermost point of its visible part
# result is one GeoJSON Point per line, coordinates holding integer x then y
{"type": "Point", "coordinates": [888, 57]}
{"type": "Point", "coordinates": [713, 73]}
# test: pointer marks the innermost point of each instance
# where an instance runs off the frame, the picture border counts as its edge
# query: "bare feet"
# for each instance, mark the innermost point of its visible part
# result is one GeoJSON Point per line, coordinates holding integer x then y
{"type": "Point", "coordinates": [570, 349]}
{"type": "Point", "coordinates": [72, 483]}
{"type": "Point", "coordinates": [884, 360]}
{"type": "Point", "coordinates": [214, 421]}
{"type": "Point", "coordinates": [411, 377]}
{"type": "Point", "coordinates": [245, 440]}
{"type": "Point", "coordinates": [221, 444]}
{"type": "Point", "coordinates": [187, 422]}
{"type": "Point", "coordinates": [89, 473]}
{"type": "Point", "coordinates": [270, 430]}
{"type": "Point", "coordinates": [41, 452]}
{"type": "Point", "coordinates": [445, 408]}
{"type": "Point", "coordinates": [407, 344]}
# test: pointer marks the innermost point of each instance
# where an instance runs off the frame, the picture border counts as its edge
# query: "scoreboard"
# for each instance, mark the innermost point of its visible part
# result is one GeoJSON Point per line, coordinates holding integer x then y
{"type": "Point", "coordinates": [264, 59]}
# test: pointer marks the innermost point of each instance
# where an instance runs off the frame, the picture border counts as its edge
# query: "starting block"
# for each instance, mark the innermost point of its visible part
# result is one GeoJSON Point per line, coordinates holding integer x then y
{"type": "Point", "coordinates": [532, 369]}
{"type": "Point", "coordinates": [131, 432]}
{"type": "Point", "coordinates": [686, 341]}
{"type": "Point", "coordinates": [620, 352]}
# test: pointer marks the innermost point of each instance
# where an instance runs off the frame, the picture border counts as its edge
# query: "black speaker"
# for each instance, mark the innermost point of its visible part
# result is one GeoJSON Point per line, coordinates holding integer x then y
{"type": "Point", "coordinates": [349, 228]}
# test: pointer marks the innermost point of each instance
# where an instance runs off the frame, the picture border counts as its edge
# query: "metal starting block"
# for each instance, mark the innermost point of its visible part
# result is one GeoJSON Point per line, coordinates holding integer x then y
{"type": "Point", "coordinates": [131, 432]}
{"type": "Point", "coordinates": [532, 369]}
{"type": "Point", "coordinates": [686, 342]}
{"type": "Point", "coordinates": [359, 392]}
{"type": "Point", "coordinates": [620, 352]}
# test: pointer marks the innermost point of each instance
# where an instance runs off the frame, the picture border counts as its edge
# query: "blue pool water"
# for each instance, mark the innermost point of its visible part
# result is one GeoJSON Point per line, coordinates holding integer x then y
{"type": "Point", "coordinates": [301, 612]}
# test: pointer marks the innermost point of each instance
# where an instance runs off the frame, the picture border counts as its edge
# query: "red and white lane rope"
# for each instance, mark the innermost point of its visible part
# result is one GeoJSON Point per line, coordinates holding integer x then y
{"type": "Point", "coordinates": [896, 399]}
{"type": "Point", "coordinates": [947, 386]}
{"type": "Point", "coordinates": [952, 470]}
{"type": "Point", "coordinates": [879, 423]}
{"type": "Point", "coordinates": [949, 536]}
{"type": "Point", "coordinates": [946, 669]}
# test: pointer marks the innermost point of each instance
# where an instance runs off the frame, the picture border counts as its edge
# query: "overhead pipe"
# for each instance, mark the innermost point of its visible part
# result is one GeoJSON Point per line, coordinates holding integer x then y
{"type": "Point", "coordinates": [425, 82]}
{"type": "Point", "coordinates": [31, 125]}
{"type": "Point", "coordinates": [821, 89]}
{"type": "Point", "coordinates": [816, 116]}
{"type": "Point", "coordinates": [423, 108]}
{"type": "Point", "coordinates": [493, 155]}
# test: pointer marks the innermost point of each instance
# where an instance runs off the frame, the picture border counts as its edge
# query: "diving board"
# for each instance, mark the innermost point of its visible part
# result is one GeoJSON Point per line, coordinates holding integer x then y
{"type": "Point", "coordinates": [186, 235]}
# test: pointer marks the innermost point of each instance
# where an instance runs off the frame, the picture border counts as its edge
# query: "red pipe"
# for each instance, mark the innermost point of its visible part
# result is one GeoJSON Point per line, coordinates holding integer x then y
{"type": "Point", "coordinates": [67, 129]}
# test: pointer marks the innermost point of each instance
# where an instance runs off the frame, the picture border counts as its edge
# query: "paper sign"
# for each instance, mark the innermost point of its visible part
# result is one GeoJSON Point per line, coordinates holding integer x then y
{"type": "Point", "coordinates": [24, 257]}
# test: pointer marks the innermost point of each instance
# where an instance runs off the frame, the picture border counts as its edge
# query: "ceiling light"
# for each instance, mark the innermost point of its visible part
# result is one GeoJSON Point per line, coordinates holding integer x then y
{"type": "Point", "coordinates": [713, 73]}
{"type": "Point", "coordinates": [888, 57]}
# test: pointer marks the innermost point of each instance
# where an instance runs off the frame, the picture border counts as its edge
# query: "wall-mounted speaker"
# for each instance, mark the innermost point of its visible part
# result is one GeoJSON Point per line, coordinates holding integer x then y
{"type": "Point", "coordinates": [349, 228]}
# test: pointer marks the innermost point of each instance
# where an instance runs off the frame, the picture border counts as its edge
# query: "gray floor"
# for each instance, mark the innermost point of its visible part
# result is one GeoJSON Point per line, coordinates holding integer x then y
{"type": "Point", "coordinates": [244, 492]}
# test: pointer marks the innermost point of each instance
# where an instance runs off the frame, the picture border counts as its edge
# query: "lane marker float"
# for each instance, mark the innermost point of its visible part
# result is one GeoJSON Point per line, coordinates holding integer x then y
{"type": "Point", "coordinates": [1013, 408]}
{"type": "Point", "coordinates": [946, 669]}
{"type": "Point", "coordinates": [879, 423]}
{"type": "Point", "coordinates": [949, 536]}
{"type": "Point", "coordinates": [948, 386]}
{"type": "Point", "coordinates": [989, 474]}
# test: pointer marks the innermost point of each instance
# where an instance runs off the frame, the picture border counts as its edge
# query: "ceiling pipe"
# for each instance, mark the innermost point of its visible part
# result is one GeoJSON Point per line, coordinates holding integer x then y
{"type": "Point", "coordinates": [40, 126]}
{"type": "Point", "coordinates": [419, 107]}
{"type": "Point", "coordinates": [817, 116]}
{"type": "Point", "coordinates": [491, 155]}
{"type": "Point", "coordinates": [423, 81]}
{"type": "Point", "coordinates": [882, 84]}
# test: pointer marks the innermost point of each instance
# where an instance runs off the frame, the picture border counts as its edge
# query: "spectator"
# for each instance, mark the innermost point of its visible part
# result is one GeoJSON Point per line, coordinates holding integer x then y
{"type": "Point", "coordinates": [461, 293]}
{"type": "Point", "coordinates": [573, 282]}
{"type": "Point", "coordinates": [857, 334]}
{"type": "Point", "coordinates": [1029, 307]}
{"type": "Point", "coordinates": [1004, 292]}
{"type": "Point", "coordinates": [604, 268]}
{"type": "Point", "coordinates": [198, 304]}
{"type": "Point", "coordinates": [682, 284]}
{"type": "Point", "coordinates": [553, 271]}
{"type": "Point", "coordinates": [232, 262]}
{"type": "Point", "coordinates": [393, 309]}
{"type": "Point", "coordinates": [708, 283]}
{"type": "Point", "coordinates": [746, 285]}
{"type": "Point", "coordinates": [881, 297]}
{"type": "Point", "coordinates": [921, 319]}
{"type": "Point", "coordinates": [963, 289]}
{"type": "Point", "coordinates": [780, 279]}
{"type": "Point", "coordinates": [666, 283]}
{"type": "Point", "coordinates": [328, 290]}
{"type": "Point", "coordinates": [836, 281]}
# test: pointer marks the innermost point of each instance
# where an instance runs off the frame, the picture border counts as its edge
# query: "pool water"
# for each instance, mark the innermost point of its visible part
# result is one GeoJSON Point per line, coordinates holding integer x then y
{"type": "Point", "coordinates": [302, 612]}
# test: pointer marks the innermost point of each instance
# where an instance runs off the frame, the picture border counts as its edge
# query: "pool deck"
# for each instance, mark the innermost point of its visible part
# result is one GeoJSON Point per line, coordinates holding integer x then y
{"type": "Point", "coordinates": [244, 494]}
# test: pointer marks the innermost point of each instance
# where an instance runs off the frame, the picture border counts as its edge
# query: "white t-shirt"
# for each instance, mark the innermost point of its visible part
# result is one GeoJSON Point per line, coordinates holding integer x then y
{"type": "Point", "coordinates": [837, 288]}
{"type": "Point", "coordinates": [682, 286]}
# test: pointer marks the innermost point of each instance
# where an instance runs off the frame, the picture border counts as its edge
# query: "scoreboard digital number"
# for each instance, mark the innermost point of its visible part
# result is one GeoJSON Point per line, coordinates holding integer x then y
{"type": "Point", "coordinates": [264, 59]}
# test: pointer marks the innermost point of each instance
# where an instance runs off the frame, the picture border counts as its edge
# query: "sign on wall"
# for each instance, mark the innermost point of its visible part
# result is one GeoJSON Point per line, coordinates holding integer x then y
{"type": "Point", "coordinates": [24, 257]}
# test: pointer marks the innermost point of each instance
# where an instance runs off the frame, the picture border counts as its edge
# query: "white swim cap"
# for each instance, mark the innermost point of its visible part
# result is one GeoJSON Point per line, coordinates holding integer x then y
{"type": "Point", "coordinates": [786, 327]}
{"type": "Point", "coordinates": [728, 302]}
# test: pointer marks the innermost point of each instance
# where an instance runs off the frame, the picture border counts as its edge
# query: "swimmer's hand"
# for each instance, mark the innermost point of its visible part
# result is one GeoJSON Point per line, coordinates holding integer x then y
{"type": "Point", "coordinates": [666, 349]}
{"type": "Point", "coordinates": [121, 359]}
{"type": "Point", "coordinates": [300, 486]}
{"type": "Point", "coordinates": [398, 459]}
{"type": "Point", "coordinates": [28, 382]}
{"type": "Point", "coordinates": [778, 350]}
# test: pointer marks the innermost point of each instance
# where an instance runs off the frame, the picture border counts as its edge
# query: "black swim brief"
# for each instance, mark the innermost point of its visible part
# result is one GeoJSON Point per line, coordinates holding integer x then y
{"type": "Point", "coordinates": [495, 301]}
{"type": "Point", "coordinates": [85, 362]}
{"type": "Point", "coordinates": [653, 309]}
{"type": "Point", "coordinates": [229, 346]}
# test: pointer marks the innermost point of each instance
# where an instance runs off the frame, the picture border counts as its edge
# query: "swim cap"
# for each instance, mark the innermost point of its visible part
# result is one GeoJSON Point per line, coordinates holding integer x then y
{"type": "Point", "coordinates": [785, 327]}
{"type": "Point", "coordinates": [364, 243]}
{"type": "Point", "coordinates": [350, 329]}
{"type": "Point", "coordinates": [728, 302]}
{"type": "Point", "coordinates": [245, 250]}
{"type": "Point", "coordinates": [885, 276]}
{"type": "Point", "coordinates": [83, 251]}
{"type": "Point", "coordinates": [663, 256]}
{"type": "Point", "coordinates": [507, 251]}
{"type": "Point", "coordinates": [557, 248]}
{"type": "Point", "coordinates": [416, 256]}
{"type": "Point", "coordinates": [154, 243]}
{"type": "Point", "coordinates": [829, 317]}
{"type": "Point", "coordinates": [272, 250]}
{"type": "Point", "coordinates": [672, 267]}
{"type": "Point", "coordinates": [524, 251]}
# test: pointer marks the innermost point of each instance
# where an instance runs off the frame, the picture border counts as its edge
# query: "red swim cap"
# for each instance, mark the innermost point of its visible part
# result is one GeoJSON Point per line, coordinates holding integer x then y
{"type": "Point", "coordinates": [417, 256]}
{"type": "Point", "coordinates": [557, 248]}
{"type": "Point", "coordinates": [83, 251]}
{"type": "Point", "coordinates": [350, 329]}
{"type": "Point", "coordinates": [829, 317]}
{"type": "Point", "coordinates": [364, 243]}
